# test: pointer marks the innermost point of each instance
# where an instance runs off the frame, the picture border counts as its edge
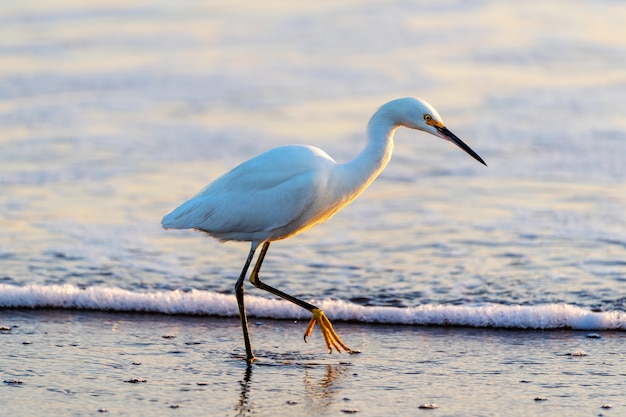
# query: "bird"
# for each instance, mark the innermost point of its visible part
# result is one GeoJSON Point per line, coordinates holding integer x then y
{"type": "Point", "coordinates": [291, 188]}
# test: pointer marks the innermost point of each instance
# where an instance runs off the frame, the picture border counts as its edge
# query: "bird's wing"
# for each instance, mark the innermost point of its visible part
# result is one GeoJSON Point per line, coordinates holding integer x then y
{"type": "Point", "coordinates": [267, 193]}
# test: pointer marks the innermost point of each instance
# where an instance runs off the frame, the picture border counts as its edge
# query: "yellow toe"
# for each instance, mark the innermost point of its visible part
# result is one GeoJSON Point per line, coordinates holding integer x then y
{"type": "Point", "coordinates": [331, 337]}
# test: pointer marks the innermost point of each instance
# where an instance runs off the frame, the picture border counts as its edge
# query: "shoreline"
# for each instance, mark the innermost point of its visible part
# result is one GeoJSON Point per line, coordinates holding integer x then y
{"type": "Point", "coordinates": [134, 363]}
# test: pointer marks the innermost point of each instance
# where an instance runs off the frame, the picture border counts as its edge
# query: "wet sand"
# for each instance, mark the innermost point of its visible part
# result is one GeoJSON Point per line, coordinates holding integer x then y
{"type": "Point", "coordinates": [93, 363]}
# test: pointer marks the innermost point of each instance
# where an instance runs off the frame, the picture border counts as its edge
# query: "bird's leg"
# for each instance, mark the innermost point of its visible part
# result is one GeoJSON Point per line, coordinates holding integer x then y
{"type": "Point", "coordinates": [330, 336]}
{"type": "Point", "coordinates": [242, 309]}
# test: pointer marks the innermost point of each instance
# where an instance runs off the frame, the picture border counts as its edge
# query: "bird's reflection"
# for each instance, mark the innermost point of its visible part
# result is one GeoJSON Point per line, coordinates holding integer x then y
{"type": "Point", "coordinates": [243, 406]}
{"type": "Point", "coordinates": [320, 390]}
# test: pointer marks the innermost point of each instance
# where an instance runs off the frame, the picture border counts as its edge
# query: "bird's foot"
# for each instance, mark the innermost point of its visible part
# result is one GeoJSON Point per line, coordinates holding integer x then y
{"type": "Point", "coordinates": [330, 336]}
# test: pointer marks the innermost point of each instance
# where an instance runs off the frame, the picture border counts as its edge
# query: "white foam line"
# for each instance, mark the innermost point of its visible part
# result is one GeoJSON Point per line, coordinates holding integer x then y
{"type": "Point", "coordinates": [545, 316]}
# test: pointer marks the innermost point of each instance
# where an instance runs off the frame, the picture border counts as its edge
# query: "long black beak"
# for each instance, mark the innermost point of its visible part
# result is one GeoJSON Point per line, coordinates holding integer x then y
{"type": "Point", "coordinates": [446, 134]}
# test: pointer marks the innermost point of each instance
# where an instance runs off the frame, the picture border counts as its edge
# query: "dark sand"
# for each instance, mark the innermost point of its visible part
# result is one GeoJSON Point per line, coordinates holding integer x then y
{"type": "Point", "coordinates": [93, 363]}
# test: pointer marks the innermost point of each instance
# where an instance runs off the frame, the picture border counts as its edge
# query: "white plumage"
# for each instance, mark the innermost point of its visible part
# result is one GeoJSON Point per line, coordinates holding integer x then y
{"type": "Point", "coordinates": [291, 188]}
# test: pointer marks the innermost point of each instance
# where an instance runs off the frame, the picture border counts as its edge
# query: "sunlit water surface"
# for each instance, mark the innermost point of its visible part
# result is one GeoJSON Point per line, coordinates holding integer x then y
{"type": "Point", "coordinates": [113, 114]}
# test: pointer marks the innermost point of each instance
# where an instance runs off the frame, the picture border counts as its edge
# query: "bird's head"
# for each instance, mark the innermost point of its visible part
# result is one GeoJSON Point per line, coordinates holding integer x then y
{"type": "Point", "coordinates": [416, 113]}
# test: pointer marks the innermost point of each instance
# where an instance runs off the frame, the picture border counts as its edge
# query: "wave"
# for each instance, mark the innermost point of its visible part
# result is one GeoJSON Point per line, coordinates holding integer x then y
{"type": "Point", "coordinates": [194, 302]}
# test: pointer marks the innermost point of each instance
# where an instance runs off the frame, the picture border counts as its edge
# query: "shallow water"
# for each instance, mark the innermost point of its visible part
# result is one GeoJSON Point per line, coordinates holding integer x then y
{"type": "Point", "coordinates": [112, 114]}
{"type": "Point", "coordinates": [194, 366]}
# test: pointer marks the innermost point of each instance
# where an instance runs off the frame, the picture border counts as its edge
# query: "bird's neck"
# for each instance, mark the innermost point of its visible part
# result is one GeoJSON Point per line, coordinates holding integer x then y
{"type": "Point", "coordinates": [368, 164]}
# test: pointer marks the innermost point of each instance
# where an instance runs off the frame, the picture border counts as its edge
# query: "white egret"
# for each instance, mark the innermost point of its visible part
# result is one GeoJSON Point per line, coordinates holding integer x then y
{"type": "Point", "coordinates": [289, 189]}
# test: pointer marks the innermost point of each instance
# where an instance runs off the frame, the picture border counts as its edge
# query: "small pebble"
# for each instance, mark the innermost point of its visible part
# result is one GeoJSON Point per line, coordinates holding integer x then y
{"type": "Point", "coordinates": [26, 342]}
{"type": "Point", "coordinates": [594, 336]}
{"type": "Point", "coordinates": [292, 402]}
{"type": "Point", "coordinates": [578, 353]}
{"type": "Point", "coordinates": [169, 336]}
{"type": "Point", "coordinates": [136, 380]}
{"type": "Point", "coordinates": [13, 381]}
{"type": "Point", "coordinates": [350, 411]}
{"type": "Point", "coordinates": [103, 410]}
{"type": "Point", "coordinates": [429, 406]}
{"type": "Point", "coordinates": [607, 406]}
{"type": "Point", "coordinates": [525, 381]}
{"type": "Point", "coordinates": [174, 406]}
{"type": "Point", "coordinates": [5, 329]}
{"type": "Point", "coordinates": [136, 363]}
{"type": "Point", "coordinates": [541, 399]}
{"type": "Point", "coordinates": [202, 383]}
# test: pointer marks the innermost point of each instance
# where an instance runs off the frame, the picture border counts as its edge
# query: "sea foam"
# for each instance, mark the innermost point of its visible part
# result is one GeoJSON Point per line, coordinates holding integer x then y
{"type": "Point", "coordinates": [194, 302]}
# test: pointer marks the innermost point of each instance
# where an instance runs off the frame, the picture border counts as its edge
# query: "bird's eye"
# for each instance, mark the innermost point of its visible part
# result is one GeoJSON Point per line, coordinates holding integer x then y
{"type": "Point", "coordinates": [428, 117]}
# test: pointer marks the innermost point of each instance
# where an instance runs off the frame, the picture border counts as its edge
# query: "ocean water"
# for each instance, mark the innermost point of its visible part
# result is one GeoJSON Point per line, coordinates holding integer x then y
{"type": "Point", "coordinates": [113, 114]}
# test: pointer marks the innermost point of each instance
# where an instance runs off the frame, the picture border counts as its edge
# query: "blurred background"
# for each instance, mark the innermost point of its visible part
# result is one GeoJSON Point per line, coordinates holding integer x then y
{"type": "Point", "coordinates": [114, 112]}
